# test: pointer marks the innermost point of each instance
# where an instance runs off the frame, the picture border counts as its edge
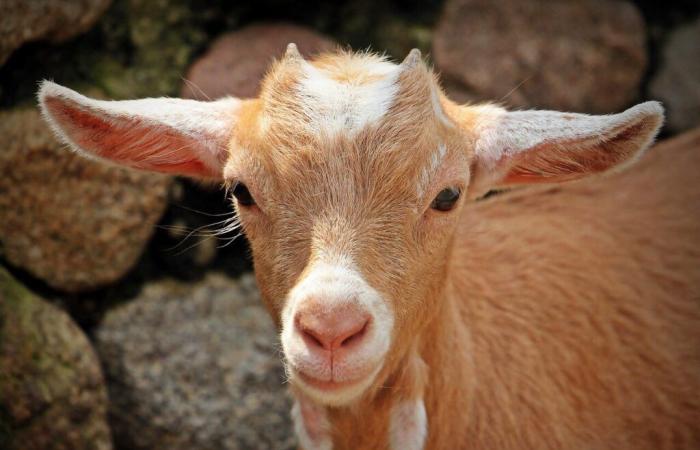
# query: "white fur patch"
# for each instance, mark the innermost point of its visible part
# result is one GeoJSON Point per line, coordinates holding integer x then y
{"type": "Point", "coordinates": [437, 107]}
{"type": "Point", "coordinates": [311, 426]}
{"type": "Point", "coordinates": [334, 107]}
{"type": "Point", "coordinates": [337, 283]}
{"type": "Point", "coordinates": [428, 172]}
{"type": "Point", "coordinates": [408, 428]}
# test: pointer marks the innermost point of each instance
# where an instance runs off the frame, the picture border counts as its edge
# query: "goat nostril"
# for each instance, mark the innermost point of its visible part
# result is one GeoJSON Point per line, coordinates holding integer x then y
{"type": "Point", "coordinates": [338, 330]}
{"type": "Point", "coordinates": [354, 337]}
{"type": "Point", "coordinates": [312, 339]}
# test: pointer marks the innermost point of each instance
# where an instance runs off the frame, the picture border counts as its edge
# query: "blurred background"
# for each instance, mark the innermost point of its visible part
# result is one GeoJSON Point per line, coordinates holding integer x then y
{"type": "Point", "coordinates": [125, 321]}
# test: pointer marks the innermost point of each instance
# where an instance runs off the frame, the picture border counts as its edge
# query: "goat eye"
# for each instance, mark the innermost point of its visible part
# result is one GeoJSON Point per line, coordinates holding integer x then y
{"type": "Point", "coordinates": [446, 199]}
{"type": "Point", "coordinates": [242, 194]}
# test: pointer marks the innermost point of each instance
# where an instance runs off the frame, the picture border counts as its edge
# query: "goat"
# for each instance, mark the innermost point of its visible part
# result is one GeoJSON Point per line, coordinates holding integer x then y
{"type": "Point", "coordinates": [554, 317]}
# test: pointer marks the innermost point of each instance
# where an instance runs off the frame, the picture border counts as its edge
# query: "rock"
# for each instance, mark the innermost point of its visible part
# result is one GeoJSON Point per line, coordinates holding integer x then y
{"type": "Point", "coordinates": [572, 55]}
{"type": "Point", "coordinates": [52, 394]}
{"type": "Point", "coordinates": [56, 20]}
{"type": "Point", "coordinates": [399, 36]}
{"type": "Point", "coordinates": [195, 367]}
{"type": "Point", "coordinates": [74, 223]}
{"type": "Point", "coordinates": [677, 83]}
{"type": "Point", "coordinates": [162, 37]}
{"type": "Point", "coordinates": [237, 61]}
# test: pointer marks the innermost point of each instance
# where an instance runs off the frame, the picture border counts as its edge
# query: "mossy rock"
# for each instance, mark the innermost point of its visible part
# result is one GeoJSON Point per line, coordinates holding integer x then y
{"type": "Point", "coordinates": [52, 393]}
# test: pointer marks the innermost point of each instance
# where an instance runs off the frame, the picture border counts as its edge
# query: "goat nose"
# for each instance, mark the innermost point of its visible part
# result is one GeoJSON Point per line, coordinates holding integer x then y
{"type": "Point", "coordinates": [331, 328]}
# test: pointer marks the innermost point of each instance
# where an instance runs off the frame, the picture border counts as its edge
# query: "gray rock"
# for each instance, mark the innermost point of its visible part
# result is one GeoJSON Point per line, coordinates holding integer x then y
{"type": "Point", "coordinates": [677, 83]}
{"type": "Point", "coordinates": [195, 367]}
{"type": "Point", "coordinates": [56, 20]}
{"type": "Point", "coordinates": [577, 55]}
{"type": "Point", "coordinates": [52, 393]}
{"type": "Point", "coordinates": [74, 223]}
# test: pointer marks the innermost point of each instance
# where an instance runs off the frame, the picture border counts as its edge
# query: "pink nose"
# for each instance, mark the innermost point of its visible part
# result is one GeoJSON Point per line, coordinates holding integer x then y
{"type": "Point", "coordinates": [331, 329]}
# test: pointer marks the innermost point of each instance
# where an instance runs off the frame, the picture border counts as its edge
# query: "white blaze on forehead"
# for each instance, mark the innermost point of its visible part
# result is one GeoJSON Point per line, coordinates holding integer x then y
{"type": "Point", "coordinates": [334, 106]}
{"type": "Point", "coordinates": [428, 172]}
{"type": "Point", "coordinates": [408, 428]}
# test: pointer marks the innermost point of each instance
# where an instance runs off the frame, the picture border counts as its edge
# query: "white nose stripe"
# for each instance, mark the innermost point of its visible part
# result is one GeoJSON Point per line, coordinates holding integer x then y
{"type": "Point", "coordinates": [333, 286]}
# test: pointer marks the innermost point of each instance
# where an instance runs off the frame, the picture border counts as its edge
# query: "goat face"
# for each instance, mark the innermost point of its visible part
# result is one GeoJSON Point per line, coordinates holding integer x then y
{"type": "Point", "coordinates": [337, 176]}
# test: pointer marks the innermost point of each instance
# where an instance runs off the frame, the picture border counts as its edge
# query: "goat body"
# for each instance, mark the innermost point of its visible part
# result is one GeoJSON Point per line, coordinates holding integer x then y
{"type": "Point", "coordinates": [581, 304]}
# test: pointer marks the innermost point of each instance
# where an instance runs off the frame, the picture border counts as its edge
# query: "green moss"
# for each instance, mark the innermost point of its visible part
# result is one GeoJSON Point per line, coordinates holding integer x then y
{"type": "Point", "coordinates": [10, 290]}
{"type": "Point", "coordinates": [14, 314]}
{"type": "Point", "coordinates": [12, 294]}
{"type": "Point", "coordinates": [400, 36]}
{"type": "Point", "coordinates": [142, 48]}
{"type": "Point", "coordinates": [23, 350]}
{"type": "Point", "coordinates": [163, 35]}
{"type": "Point", "coordinates": [14, 298]}
{"type": "Point", "coordinates": [138, 48]}
{"type": "Point", "coordinates": [44, 358]}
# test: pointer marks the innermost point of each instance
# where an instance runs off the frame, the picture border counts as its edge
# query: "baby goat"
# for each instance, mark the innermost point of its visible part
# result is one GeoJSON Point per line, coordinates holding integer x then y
{"type": "Point", "coordinates": [405, 322]}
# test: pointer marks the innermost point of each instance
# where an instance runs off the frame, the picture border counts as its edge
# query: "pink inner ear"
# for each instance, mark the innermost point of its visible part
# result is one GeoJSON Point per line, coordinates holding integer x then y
{"type": "Point", "coordinates": [546, 163]}
{"type": "Point", "coordinates": [567, 161]}
{"type": "Point", "coordinates": [130, 141]}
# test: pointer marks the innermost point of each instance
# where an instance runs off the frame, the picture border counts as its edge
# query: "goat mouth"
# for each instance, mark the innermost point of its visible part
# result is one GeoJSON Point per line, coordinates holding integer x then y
{"type": "Point", "coordinates": [334, 392]}
{"type": "Point", "coordinates": [327, 385]}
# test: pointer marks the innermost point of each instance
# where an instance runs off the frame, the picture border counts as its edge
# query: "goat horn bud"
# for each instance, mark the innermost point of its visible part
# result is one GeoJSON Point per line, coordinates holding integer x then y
{"type": "Point", "coordinates": [412, 59]}
{"type": "Point", "coordinates": [292, 52]}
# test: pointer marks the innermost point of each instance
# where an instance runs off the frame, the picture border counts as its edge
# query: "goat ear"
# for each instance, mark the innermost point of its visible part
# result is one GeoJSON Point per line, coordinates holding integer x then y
{"type": "Point", "coordinates": [524, 147]}
{"type": "Point", "coordinates": [169, 135]}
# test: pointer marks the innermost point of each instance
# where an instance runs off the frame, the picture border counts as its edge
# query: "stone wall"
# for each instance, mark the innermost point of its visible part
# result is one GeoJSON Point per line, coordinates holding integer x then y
{"type": "Point", "coordinates": [123, 322]}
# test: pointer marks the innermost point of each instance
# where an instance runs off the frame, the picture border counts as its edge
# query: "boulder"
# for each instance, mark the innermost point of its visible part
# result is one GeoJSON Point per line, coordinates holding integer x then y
{"type": "Point", "coordinates": [52, 394]}
{"type": "Point", "coordinates": [677, 83]}
{"type": "Point", "coordinates": [161, 39]}
{"type": "Point", "coordinates": [195, 366]}
{"type": "Point", "coordinates": [237, 61]}
{"type": "Point", "coordinates": [574, 55]}
{"type": "Point", "coordinates": [56, 20]}
{"type": "Point", "coordinates": [74, 223]}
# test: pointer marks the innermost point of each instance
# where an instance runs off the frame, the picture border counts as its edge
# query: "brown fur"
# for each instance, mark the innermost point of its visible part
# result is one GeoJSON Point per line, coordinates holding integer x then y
{"type": "Point", "coordinates": [572, 319]}
{"type": "Point", "coordinates": [583, 306]}
{"type": "Point", "coordinates": [563, 317]}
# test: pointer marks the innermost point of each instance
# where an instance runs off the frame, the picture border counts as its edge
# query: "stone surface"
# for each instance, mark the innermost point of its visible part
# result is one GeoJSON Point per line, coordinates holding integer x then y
{"type": "Point", "coordinates": [74, 223]}
{"type": "Point", "coordinates": [52, 394]}
{"type": "Point", "coordinates": [195, 367]}
{"type": "Point", "coordinates": [577, 55]}
{"type": "Point", "coordinates": [161, 37]}
{"type": "Point", "coordinates": [677, 83]}
{"type": "Point", "coordinates": [55, 20]}
{"type": "Point", "coordinates": [236, 62]}
{"type": "Point", "coordinates": [399, 36]}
